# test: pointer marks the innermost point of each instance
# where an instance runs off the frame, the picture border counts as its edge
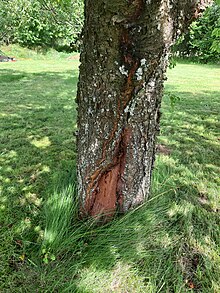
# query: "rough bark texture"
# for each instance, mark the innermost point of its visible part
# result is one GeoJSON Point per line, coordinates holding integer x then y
{"type": "Point", "coordinates": [125, 51]}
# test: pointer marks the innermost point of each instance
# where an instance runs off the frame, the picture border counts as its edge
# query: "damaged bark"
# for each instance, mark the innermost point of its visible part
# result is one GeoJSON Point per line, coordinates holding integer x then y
{"type": "Point", "coordinates": [126, 44]}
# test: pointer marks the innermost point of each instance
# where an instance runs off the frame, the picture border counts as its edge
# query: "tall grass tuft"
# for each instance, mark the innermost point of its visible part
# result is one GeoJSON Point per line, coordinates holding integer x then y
{"type": "Point", "coordinates": [61, 211]}
{"type": "Point", "coordinates": [64, 232]}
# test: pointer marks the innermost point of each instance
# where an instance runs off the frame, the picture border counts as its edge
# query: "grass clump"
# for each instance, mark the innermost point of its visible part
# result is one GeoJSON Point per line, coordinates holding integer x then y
{"type": "Point", "coordinates": [60, 210]}
{"type": "Point", "coordinates": [170, 244]}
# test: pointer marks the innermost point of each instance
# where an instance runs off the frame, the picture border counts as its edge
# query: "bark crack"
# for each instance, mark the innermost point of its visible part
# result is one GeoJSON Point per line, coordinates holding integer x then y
{"type": "Point", "coordinates": [106, 194]}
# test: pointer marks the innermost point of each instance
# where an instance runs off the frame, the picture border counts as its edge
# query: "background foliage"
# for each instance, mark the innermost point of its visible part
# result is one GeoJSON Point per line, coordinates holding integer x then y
{"type": "Point", "coordinates": [202, 42]}
{"type": "Point", "coordinates": [44, 23]}
{"type": "Point", "coordinates": [58, 24]}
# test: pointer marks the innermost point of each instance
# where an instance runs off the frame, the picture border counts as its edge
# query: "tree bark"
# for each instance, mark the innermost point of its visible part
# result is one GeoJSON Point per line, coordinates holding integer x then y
{"type": "Point", "coordinates": [123, 62]}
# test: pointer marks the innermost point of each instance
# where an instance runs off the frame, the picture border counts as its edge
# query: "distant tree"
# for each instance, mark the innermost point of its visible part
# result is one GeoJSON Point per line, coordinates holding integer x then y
{"type": "Point", "coordinates": [202, 42]}
{"type": "Point", "coordinates": [45, 23]}
{"type": "Point", "coordinates": [126, 44]}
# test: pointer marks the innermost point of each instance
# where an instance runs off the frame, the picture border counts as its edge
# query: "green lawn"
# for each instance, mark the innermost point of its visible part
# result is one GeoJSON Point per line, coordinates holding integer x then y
{"type": "Point", "coordinates": [170, 244]}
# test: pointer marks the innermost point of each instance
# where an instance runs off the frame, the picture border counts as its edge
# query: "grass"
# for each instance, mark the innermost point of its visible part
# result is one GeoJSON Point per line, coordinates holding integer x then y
{"type": "Point", "coordinates": [170, 244]}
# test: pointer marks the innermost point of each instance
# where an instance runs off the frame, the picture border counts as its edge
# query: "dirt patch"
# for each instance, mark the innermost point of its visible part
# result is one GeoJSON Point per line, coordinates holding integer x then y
{"type": "Point", "coordinates": [189, 262]}
{"type": "Point", "coordinates": [73, 57]}
{"type": "Point", "coordinates": [162, 149]}
{"type": "Point", "coordinates": [205, 203]}
{"type": "Point", "coordinates": [203, 199]}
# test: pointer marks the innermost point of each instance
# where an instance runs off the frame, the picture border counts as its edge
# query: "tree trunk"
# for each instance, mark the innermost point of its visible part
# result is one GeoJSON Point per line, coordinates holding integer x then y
{"type": "Point", "coordinates": [125, 51]}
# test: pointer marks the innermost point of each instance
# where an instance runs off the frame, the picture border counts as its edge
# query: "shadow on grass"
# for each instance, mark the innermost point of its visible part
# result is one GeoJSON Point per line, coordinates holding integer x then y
{"type": "Point", "coordinates": [192, 132]}
{"type": "Point", "coordinates": [37, 117]}
{"type": "Point", "coordinates": [170, 243]}
{"type": "Point", "coordinates": [167, 245]}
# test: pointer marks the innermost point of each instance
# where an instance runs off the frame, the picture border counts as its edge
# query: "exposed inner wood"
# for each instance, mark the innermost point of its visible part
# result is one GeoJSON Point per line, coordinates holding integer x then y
{"type": "Point", "coordinates": [107, 195]}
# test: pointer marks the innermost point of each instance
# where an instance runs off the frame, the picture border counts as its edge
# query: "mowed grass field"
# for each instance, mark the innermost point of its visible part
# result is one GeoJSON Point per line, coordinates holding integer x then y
{"type": "Point", "coordinates": [170, 244]}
